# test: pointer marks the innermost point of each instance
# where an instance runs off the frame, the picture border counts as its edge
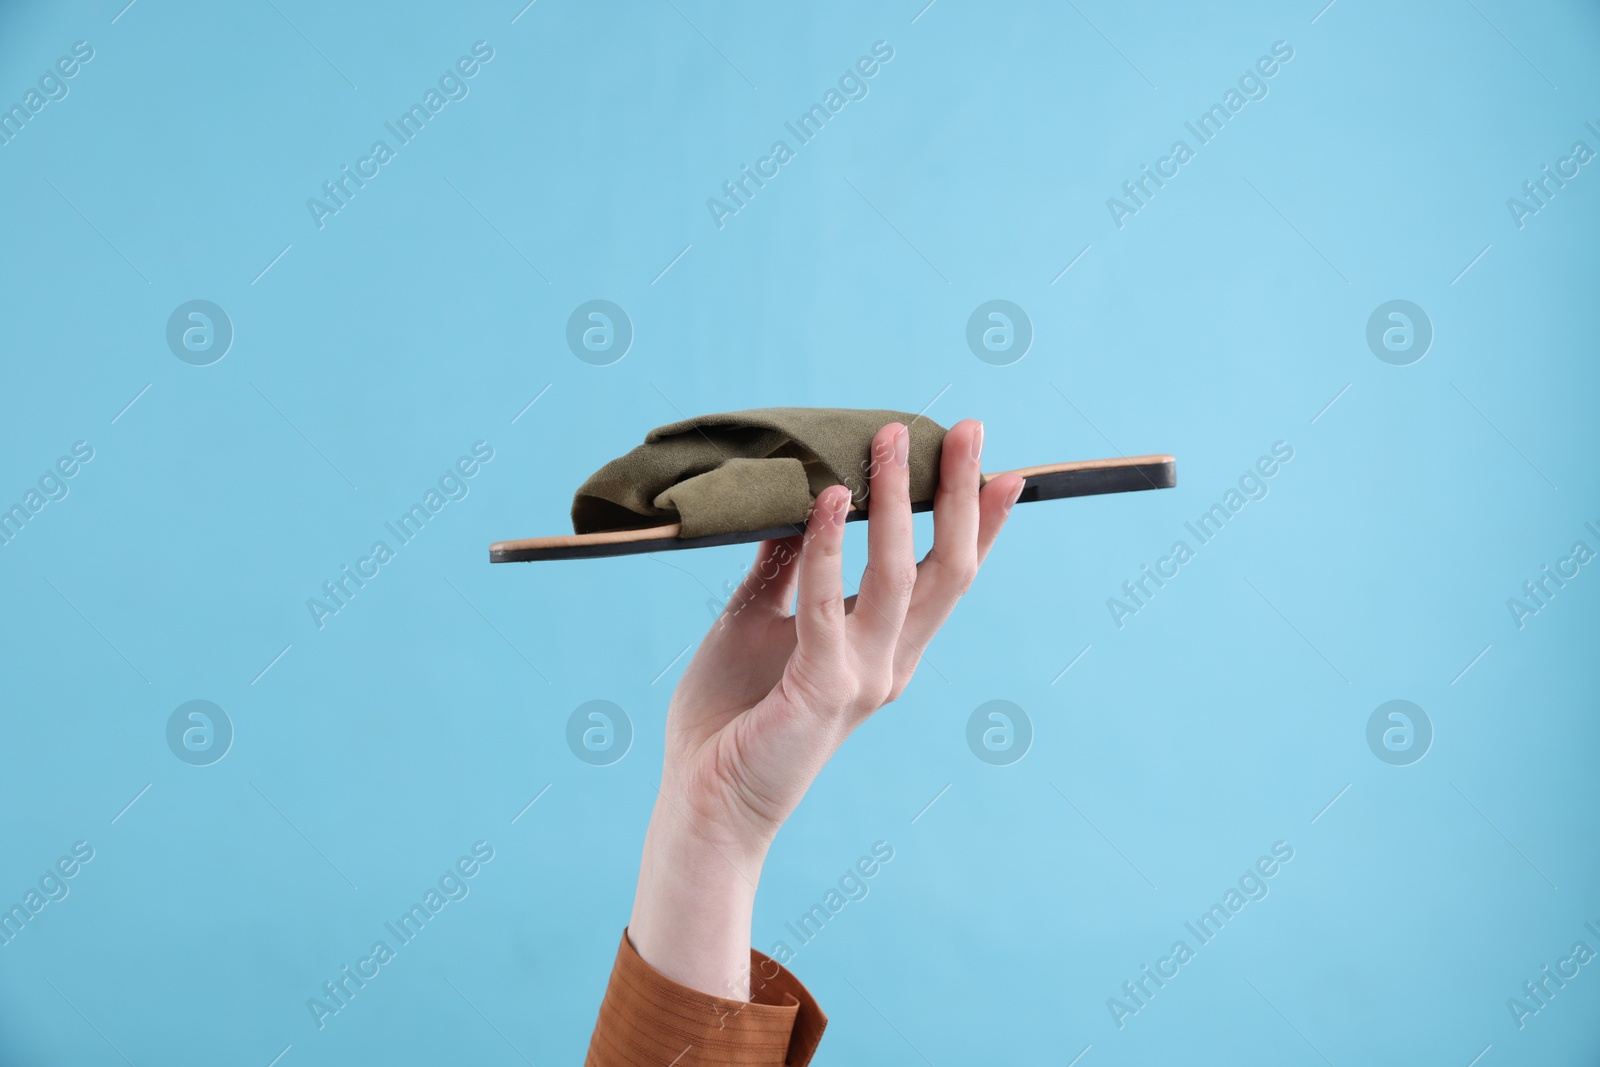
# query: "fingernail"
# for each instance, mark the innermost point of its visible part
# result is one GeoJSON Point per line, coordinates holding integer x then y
{"type": "Point", "coordinates": [977, 442]}
{"type": "Point", "coordinates": [902, 446]}
{"type": "Point", "coordinates": [1015, 493]}
{"type": "Point", "coordinates": [837, 506]}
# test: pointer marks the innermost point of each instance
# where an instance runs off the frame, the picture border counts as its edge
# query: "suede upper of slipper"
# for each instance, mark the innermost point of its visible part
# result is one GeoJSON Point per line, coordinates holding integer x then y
{"type": "Point", "coordinates": [748, 470]}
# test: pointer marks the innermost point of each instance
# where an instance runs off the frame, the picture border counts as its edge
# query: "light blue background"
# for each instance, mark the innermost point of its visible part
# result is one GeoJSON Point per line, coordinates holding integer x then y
{"type": "Point", "coordinates": [426, 715]}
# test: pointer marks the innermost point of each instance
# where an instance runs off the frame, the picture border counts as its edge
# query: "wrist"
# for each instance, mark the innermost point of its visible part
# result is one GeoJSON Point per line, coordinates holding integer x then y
{"type": "Point", "coordinates": [706, 801]}
{"type": "Point", "coordinates": [692, 909]}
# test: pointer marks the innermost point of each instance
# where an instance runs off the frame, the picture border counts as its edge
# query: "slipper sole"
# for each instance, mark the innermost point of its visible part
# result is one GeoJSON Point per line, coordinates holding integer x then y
{"type": "Point", "coordinates": [1050, 482]}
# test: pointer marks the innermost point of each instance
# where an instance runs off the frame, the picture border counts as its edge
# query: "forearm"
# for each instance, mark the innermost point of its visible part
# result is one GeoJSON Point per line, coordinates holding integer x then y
{"type": "Point", "coordinates": [761, 707]}
{"type": "Point", "coordinates": [692, 908]}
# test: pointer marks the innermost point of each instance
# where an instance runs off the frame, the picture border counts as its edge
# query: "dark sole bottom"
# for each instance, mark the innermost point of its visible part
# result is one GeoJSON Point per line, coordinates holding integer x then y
{"type": "Point", "coordinates": [1053, 486]}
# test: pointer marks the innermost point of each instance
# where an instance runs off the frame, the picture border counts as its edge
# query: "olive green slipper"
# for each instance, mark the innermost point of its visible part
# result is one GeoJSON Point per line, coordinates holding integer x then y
{"type": "Point", "coordinates": [752, 476]}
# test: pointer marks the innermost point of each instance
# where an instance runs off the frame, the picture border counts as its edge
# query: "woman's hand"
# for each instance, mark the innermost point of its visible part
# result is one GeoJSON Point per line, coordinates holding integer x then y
{"type": "Point", "coordinates": [769, 696]}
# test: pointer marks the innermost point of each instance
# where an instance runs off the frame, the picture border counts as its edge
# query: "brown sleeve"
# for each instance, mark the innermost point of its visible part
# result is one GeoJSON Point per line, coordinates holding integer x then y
{"type": "Point", "coordinates": [648, 1020]}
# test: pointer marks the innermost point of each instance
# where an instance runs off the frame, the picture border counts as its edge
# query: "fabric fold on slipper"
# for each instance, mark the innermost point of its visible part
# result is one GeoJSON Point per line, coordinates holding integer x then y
{"type": "Point", "coordinates": [742, 471]}
{"type": "Point", "coordinates": [767, 493]}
